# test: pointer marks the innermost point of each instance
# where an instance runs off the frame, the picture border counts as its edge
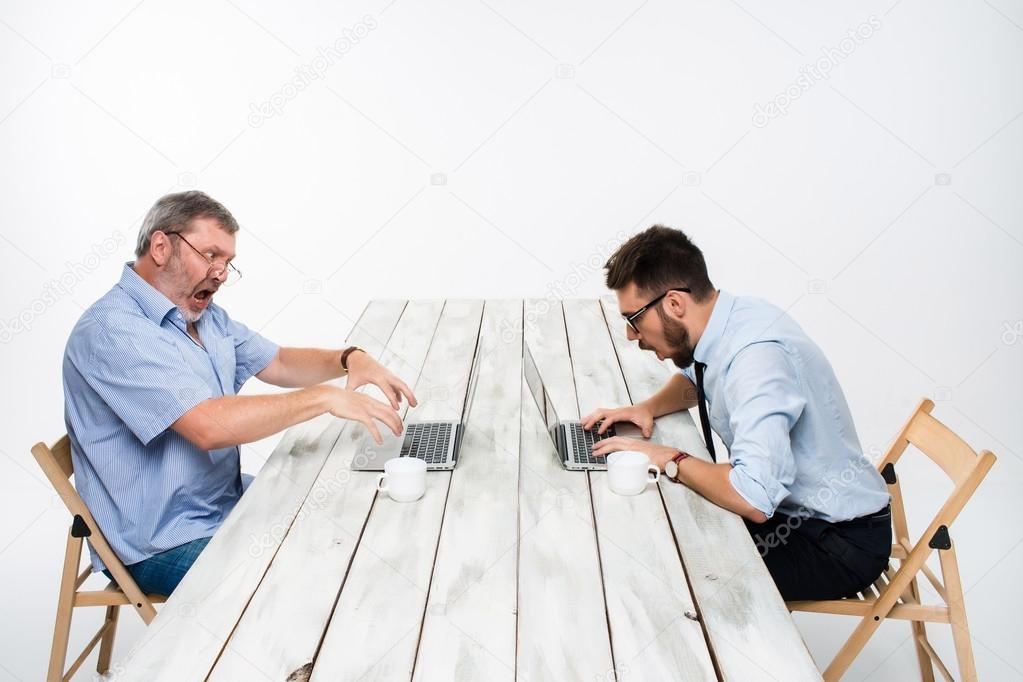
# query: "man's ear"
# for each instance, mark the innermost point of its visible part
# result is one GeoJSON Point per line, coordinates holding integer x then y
{"type": "Point", "coordinates": [676, 304]}
{"type": "Point", "coordinates": [160, 248]}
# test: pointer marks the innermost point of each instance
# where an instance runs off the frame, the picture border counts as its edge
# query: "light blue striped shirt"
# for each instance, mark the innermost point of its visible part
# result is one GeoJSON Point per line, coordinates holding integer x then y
{"type": "Point", "coordinates": [130, 371]}
{"type": "Point", "coordinates": [776, 404]}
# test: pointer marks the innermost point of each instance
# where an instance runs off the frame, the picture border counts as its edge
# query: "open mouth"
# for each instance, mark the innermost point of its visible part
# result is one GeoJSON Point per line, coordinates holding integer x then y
{"type": "Point", "coordinates": [202, 297]}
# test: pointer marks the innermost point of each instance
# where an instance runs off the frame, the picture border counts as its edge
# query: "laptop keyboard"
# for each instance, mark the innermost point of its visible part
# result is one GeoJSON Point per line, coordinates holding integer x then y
{"type": "Point", "coordinates": [428, 442]}
{"type": "Point", "coordinates": [583, 440]}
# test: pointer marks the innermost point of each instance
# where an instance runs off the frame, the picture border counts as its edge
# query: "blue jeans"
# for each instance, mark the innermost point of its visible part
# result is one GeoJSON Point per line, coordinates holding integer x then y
{"type": "Point", "coordinates": [161, 573]}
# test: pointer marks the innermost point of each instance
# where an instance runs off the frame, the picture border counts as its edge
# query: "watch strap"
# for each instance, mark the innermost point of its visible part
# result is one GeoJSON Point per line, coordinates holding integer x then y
{"type": "Point", "coordinates": [345, 353]}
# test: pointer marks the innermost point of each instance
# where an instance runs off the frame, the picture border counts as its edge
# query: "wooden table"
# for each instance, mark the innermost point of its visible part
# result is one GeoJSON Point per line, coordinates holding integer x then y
{"type": "Point", "coordinates": [509, 567]}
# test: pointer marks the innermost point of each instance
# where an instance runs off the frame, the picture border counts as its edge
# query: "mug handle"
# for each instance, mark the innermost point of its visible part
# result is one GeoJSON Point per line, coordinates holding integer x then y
{"type": "Point", "coordinates": [656, 472]}
{"type": "Point", "coordinates": [380, 483]}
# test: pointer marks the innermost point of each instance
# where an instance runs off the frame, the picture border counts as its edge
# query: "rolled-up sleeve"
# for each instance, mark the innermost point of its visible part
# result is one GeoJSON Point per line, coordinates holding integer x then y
{"type": "Point", "coordinates": [138, 374]}
{"type": "Point", "coordinates": [763, 394]}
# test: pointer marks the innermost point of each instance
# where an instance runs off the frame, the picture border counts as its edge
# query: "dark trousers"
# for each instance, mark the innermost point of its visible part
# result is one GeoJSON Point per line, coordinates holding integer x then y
{"type": "Point", "coordinates": [815, 559]}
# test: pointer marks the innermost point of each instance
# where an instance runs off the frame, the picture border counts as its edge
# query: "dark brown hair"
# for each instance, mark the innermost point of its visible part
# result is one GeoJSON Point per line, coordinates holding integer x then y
{"type": "Point", "coordinates": [658, 259]}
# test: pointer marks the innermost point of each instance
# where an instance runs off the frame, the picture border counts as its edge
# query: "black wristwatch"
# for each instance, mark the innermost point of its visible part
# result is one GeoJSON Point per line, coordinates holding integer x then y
{"type": "Point", "coordinates": [671, 468]}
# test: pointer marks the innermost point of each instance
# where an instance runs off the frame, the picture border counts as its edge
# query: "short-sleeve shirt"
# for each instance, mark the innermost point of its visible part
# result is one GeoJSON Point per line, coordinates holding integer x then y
{"type": "Point", "coordinates": [130, 371]}
{"type": "Point", "coordinates": [778, 407]}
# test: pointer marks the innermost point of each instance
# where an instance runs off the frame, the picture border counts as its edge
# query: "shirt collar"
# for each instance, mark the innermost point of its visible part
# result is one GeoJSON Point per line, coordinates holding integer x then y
{"type": "Point", "coordinates": [154, 304]}
{"type": "Point", "coordinates": [715, 326]}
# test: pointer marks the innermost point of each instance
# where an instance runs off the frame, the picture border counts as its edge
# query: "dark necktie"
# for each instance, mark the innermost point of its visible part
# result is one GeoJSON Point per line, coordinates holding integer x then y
{"type": "Point", "coordinates": [701, 396]}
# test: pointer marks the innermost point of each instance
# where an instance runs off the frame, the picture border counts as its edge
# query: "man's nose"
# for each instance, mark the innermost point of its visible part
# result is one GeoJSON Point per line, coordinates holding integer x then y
{"type": "Point", "coordinates": [630, 333]}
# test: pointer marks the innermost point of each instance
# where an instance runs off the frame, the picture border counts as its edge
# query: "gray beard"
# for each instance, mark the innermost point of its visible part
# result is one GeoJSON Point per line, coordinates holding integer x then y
{"type": "Point", "coordinates": [189, 316]}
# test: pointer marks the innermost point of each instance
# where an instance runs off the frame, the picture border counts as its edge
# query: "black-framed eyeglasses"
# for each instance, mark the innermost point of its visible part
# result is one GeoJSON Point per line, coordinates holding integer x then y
{"type": "Point", "coordinates": [630, 318]}
{"type": "Point", "coordinates": [216, 268]}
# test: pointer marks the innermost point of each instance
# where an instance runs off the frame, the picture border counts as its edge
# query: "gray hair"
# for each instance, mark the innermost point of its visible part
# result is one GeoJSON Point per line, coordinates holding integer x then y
{"type": "Point", "coordinates": [173, 213]}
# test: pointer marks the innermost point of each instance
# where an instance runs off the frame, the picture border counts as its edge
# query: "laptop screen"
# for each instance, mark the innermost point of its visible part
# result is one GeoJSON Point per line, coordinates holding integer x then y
{"type": "Point", "coordinates": [537, 389]}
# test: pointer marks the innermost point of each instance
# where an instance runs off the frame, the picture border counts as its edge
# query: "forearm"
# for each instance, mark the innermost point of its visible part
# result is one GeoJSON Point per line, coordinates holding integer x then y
{"type": "Point", "coordinates": [711, 481]}
{"type": "Point", "coordinates": [298, 367]}
{"type": "Point", "coordinates": [677, 394]}
{"type": "Point", "coordinates": [234, 420]}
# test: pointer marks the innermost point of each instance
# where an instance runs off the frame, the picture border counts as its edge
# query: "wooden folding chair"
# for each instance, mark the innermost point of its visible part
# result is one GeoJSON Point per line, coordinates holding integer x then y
{"type": "Point", "coordinates": [56, 464]}
{"type": "Point", "coordinates": [895, 594]}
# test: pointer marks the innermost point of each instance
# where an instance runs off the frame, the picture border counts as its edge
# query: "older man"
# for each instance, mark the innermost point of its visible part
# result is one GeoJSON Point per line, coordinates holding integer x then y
{"type": "Point", "coordinates": [816, 507]}
{"type": "Point", "coordinates": [151, 376]}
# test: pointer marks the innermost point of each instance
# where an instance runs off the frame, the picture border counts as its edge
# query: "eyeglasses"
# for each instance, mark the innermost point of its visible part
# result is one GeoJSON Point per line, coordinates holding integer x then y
{"type": "Point", "coordinates": [216, 268]}
{"type": "Point", "coordinates": [630, 318]}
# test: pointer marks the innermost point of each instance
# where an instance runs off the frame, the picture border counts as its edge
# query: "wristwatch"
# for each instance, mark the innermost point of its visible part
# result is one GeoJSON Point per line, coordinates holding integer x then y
{"type": "Point", "coordinates": [344, 356]}
{"type": "Point", "coordinates": [671, 468]}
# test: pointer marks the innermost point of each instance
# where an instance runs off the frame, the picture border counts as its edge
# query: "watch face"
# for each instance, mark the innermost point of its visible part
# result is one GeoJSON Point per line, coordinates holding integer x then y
{"type": "Point", "coordinates": [671, 469]}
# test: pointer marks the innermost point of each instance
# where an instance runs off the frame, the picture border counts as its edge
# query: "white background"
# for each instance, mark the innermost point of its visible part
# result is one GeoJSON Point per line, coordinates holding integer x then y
{"type": "Point", "coordinates": [495, 149]}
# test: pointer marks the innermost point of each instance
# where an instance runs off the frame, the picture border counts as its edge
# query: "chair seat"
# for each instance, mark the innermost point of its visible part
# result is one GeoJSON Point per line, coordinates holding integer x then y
{"type": "Point", "coordinates": [906, 608]}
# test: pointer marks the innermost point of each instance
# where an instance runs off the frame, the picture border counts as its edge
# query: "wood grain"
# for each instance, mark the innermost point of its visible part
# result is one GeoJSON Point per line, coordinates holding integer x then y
{"type": "Point", "coordinates": [186, 637]}
{"type": "Point", "coordinates": [376, 623]}
{"type": "Point", "coordinates": [562, 628]}
{"type": "Point", "coordinates": [469, 627]}
{"type": "Point", "coordinates": [648, 598]}
{"type": "Point", "coordinates": [284, 623]}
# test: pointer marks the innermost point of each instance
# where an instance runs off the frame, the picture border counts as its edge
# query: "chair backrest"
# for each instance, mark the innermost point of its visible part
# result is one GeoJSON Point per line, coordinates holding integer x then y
{"type": "Point", "coordinates": [58, 466]}
{"type": "Point", "coordinates": [965, 467]}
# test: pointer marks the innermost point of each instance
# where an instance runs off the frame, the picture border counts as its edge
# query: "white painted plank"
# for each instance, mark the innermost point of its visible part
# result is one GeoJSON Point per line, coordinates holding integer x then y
{"type": "Point", "coordinates": [469, 626]}
{"type": "Point", "coordinates": [562, 633]}
{"type": "Point", "coordinates": [284, 623]}
{"type": "Point", "coordinates": [751, 632]}
{"type": "Point", "coordinates": [186, 637]}
{"type": "Point", "coordinates": [644, 582]}
{"type": "Point", "coordinates": [375, 627]}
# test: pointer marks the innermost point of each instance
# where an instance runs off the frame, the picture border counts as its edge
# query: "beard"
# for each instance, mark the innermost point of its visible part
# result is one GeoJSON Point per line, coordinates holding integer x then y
{"type": "Point", "coordinates": [191, 300]}
{"type": "Point", "coordinates": [677, 338]}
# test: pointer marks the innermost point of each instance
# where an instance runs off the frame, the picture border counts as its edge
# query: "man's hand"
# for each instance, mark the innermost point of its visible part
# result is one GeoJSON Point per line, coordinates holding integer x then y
{"type": "Point", "coordinates": [640, 415]}
{"type": "Point", "coordinates": [362, 370]}
{"type": "Point", "coordinates": [659, 455]}
{"type": "Point", "coordinates": [360, 407]}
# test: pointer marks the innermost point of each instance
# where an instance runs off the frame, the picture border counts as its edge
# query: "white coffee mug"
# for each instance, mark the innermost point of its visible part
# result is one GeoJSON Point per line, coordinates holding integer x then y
{"type": "Point", "coordinates": [628, 472]}
{"type": "Point", "coordinates": [404, 479]}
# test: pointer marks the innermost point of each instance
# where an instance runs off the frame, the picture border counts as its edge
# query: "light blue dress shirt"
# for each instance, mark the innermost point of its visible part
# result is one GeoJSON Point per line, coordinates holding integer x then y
{"type": "Point", "coordinates": [130, 371]}
{"type": "Point", "coordinates": [775, 402]}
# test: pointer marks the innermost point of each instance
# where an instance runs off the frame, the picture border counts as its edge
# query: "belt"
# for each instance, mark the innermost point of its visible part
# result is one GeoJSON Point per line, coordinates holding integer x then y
{"type": "Point", "coordinates": [878, 518]}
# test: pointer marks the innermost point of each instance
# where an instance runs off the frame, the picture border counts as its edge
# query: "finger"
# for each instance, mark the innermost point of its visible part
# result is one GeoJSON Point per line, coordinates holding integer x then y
{"type": "Point", "coordinates": [591, 419]}
{"type": "Point", "coordinates": [606, 424]}
{"type": "Point", "coordinates": [647, 429]}
{"type": "Point", "coordinates": [604, 447]}
{"type": "Point", "coordinates": [407, 392]}
{"type": "Point", "coordinates": [367, 421]}
{"type": "Point", "coordinates": [388, 417]}
{"type": "Point", "coordinates": [392, 396]}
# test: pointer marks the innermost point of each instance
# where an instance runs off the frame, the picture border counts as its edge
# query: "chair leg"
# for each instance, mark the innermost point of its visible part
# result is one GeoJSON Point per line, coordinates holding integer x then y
{"type": "Point", "coordinates": [957, 614]}
{"type": "Point", "coordinates": [65, 605]}
{"type": "Point", "coordinates": [852, 647]}
{"type": "Point", "coordinates": [919, 630]}
{"type": "Point", "coordinates": [106, 646]}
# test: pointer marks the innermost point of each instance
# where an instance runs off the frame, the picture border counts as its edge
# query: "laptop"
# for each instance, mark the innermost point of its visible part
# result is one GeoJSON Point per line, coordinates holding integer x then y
{"type": "Point", "coordinates": [572, 443]}
{"type": "Point", "coordinates": [435, 442]}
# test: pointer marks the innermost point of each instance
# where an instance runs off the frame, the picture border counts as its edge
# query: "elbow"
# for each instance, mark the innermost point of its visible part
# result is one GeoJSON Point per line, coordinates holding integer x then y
{"type": "Point", "coordinates": [754, 515]}
{"type": "Point", "coordinates": [201, 431]}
